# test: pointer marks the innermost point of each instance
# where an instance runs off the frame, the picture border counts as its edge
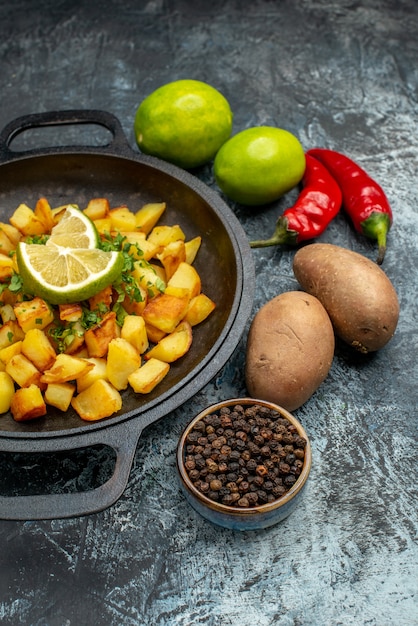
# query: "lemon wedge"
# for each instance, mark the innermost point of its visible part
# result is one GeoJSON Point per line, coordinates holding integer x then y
{"type": "Point", "coordinates": [61, 275]}
{"type": "Point", "coordinates": [74, 230]}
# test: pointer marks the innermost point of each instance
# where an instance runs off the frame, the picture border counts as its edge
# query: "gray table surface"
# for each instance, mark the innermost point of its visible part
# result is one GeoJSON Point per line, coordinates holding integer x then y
{"type": "Point", "coordinates": [340, 74]}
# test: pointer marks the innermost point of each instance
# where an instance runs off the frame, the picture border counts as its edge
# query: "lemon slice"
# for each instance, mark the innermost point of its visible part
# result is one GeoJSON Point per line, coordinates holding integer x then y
{"type": "Point", "coordinates": [74, 230]}
{"type": "Point", "coordinates": [62, 275]}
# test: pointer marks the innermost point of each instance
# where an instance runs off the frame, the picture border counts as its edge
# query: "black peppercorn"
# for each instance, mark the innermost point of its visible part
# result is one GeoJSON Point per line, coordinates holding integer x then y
{"type": "Point", "coordinates": [244, 457]}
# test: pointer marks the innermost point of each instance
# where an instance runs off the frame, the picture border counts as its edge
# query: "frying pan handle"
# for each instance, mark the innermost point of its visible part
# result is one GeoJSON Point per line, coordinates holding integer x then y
{"type": "Point", "coordinates": [118, 142]}
{"type": "Point", "coordinates": [122, 438]}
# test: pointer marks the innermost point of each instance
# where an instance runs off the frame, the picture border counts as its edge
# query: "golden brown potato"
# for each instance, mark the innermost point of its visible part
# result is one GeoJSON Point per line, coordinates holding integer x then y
{"type": "Point", "coordinates": [10, 333]}
{"type": "Point", "coordinates": [200, 307]}
{"type": "Point", "coordinates": [23, 371]}
{"type": "Point", "coordinates": [35, 313]}
{"type": "Point", "coordinates": [186, 277]}
{"type": "Point", "coordinates": [173, 346]}
{"type": "Point", "coordinates": [59, 395]}
{"type": "Point", "coordinates": [97, 209]}
{"type": "Point", "coordinates": [6, 246]}
{"type": "Point", "coordinates": [12, 233]}
{"type": "Point", "coordinates": [147, 277]}
{"type": "Point", "coordinates": [103, 225]}
{"type": "Point", "coordinates": [44, 213]}
{"type": "Point", "coordinates": [98, 338]}
{"type": "Point", "coordinates": [7, 390]}
{"type": "Point", "coordinates": [122, 360]}
{"type": "Point", "coordinates": [154, 334]}
{"type": "Point", "coordinates": [122, 219]}
{"type": "Point", "coordinates": [138, 239]}
{"type": "Point", "coordinates": [165, 311]}
{"type": "Point", "coordinates": [357, 294]}
{"type": "Point", "coordinates": [65, 368]}
{"type": "Point", "coordinates": [99, 370]}
{"type": "Point", "coordinates": [9, 351]}
{"type": "Point", "coordinates": [70, 312]}
{"type": "Point", "coordinates": [98, 401]}
{"type": "Point", "coordinates": [28, 404]}
{"type": "Point", "coordinates": [192, 248]}
{"type": "Point", "coordinates": [25, 220]}
{"type": "Point", "coordinates": [171, 256]}
{"type": "Point", "coordinates": [148, 216]}
{"type": "Point", "coordinates": [163, 235]}
{"type": "Point", "coordinates": [38, 349]}
{"type": "Point", "coordinates": [134, 331]}
{"type": "Point", "coordinates": [145, 378]}
{"type": "Point", "coordinates": [290, 348]}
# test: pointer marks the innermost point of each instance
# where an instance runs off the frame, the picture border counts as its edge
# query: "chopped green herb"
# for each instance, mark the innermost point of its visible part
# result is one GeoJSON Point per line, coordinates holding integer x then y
{"type": "Point", "coordinates": [16, 283]}
{"type": "Point", "coordinates": [38, 239]}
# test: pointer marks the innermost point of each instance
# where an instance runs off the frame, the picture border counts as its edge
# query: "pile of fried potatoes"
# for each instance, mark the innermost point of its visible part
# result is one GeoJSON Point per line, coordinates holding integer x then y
{"type": "Point", "coordinates": [99, 361]}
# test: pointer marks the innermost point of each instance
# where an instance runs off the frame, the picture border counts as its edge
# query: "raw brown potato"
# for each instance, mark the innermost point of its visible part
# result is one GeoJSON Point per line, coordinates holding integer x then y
{"type": "Point", "coordinates": [290, 348]}
{"type": "Point", "coordinates": [358, 296]}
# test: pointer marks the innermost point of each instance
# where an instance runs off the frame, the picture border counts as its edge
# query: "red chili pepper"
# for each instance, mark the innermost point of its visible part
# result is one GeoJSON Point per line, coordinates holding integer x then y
{"type": "Point", "coordinates": [363, 199]}
{"type": "Point", "coordinates": [318, 203]}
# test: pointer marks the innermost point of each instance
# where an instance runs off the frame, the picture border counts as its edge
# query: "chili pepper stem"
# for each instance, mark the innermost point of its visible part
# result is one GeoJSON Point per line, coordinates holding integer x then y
{"type": "Point", "coordinates": [376, 227]}
{"type": "Point", "coordinates": [280, 236]}
{"type": "Point", "coordinates": [381, 253]}
{"type": "Point", "coordinates": [265, 243]}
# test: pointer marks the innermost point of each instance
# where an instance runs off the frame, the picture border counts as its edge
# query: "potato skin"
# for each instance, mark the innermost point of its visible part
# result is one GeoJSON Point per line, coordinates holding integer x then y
{"type": "Point", "coordinates": [290, 348]}
{"type": "Point", "coordinates": [358, 296]}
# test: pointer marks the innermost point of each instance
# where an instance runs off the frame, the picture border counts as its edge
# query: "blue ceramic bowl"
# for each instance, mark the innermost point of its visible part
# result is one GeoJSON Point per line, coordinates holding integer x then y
{"type": "Point", "coordinates": [237, 518]}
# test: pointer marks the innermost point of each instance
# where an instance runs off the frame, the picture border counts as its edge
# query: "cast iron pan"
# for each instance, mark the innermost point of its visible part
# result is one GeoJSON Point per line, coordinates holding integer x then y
{"type": "Point", "coordinates": [65, 174]}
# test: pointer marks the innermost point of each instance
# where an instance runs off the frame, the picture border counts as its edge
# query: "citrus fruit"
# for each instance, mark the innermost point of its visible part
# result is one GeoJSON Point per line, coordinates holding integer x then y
{"type": "Point", "coordinates": [74, 230]}
{"type": "Point", "coordinates": [259, 164]}
{"type": "Point", "coordinates": [62, 275]}
{"type": "Point", "coordinates": [184, 122]}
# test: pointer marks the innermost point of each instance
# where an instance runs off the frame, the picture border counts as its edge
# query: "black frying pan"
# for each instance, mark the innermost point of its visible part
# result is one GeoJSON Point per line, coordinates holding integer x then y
{"type": "Point", "coordinates": [76, 174]}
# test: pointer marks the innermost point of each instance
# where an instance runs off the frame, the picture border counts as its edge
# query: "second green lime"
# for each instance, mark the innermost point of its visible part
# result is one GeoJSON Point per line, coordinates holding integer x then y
{"type": "Point", "coordinates": [184, 122]}
{"type": "Point", "coordinates": [259, 164]}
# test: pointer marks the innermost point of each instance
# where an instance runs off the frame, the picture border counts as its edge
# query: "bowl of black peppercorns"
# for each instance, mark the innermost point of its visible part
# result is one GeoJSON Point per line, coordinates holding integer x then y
{"type": "Point", "coordinates": [244, 463]}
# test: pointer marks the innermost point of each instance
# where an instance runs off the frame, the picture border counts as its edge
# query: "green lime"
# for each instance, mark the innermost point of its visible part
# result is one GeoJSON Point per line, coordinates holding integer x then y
{"type": "Point", "coordinates": [74, 230]}
{"type": "Point", "coordinates": [63, 275]}
{"type": "Point", "coordinates": [184, 122]}
{"type": "Point", "coordinates": [258, 165]}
